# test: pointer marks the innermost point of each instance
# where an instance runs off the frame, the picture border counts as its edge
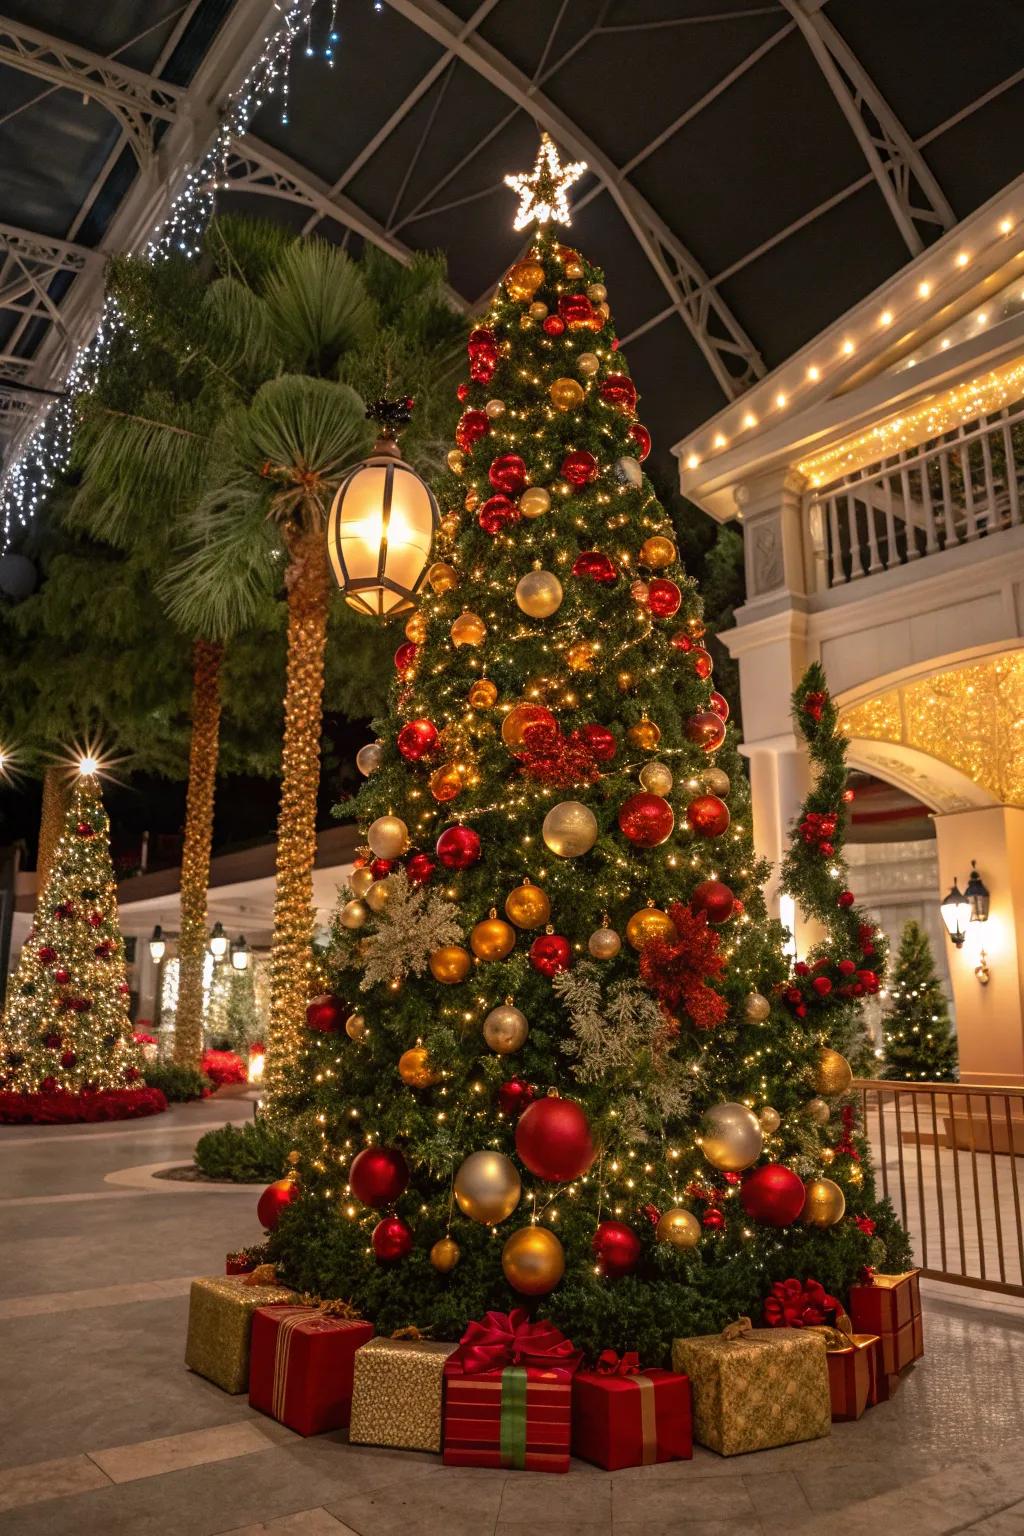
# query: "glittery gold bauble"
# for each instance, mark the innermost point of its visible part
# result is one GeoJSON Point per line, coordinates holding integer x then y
{"type": "Point", "coordinates": [824, 1203]}
{"type": "Point", "coordinates": [388, 837]}
{"type": "Point", "coordinates": [770, 1119]}
{"type": "Point", "coordinates": [580, 656]}
{"type": "Point", "coordinates": [360, 880]}
{"type": "Point", "coordinates": [818, 1110]}
{"type": "Point", "coordinates": [657, 552]}
{"type": "Point", "coordinates": [534, 501]}
{"type": "Point", "coordinates": [415, 1070]}
{"type": "Point", "coordinates": [833, 1074]}
{"type": "Point", "coordinates": [647, 924]}
{"type": "Point", "coordinates": [656, 778]}
{"type": "Point", "coordinates": [570, 829]}
{"type": "Point", "coordinates": [468, 629]}
{"type": "Point", "coordinates": [645, 735]}
{"type": "Point", "coordinates": [456, 460]}
{"type": "Point", "coordinates": [756, 1008]}
{"type": "Point", "coordinates": [566, 394]}
{"type": "Point", "coordinates": [517, 721]}
{"type": "Point", "coordinates": [379, 894]}
{"type": "Point", "coordinates": [445, 1254]}
{"type": "Point", "coordinates": [450, 964]}
{"type": "Point", "coordinates": [472, 501]}
{"type": "Point", "coordinates": [731, 1137]}
{"type": "Point", "coordinates": [827, 1155]}
{"type": "Point", "coordinates": [450, 524]}
{"type": "Point", "coordinates": [506, 1029]}
{"type": "Point", "coordinates": [604, 944]}
{"type": "Point", "coordinates": [678, 1227]}
{"type": "Point", "coordinates": [603, 311]}
{"type": "Point", "coordinates": [523, 280]}
{"type": "Point", "coordinates": [527, 906]}
{"type": "Point", "coordinates": [716, 782]}
{"type": "Point", "coordinates": [539, 594]}
{"type": "Point", "coordinates": [492, 939]}
{"type": "Point", "coordinates": [487, 1187]}
{"type": "Point", "coordinates": [442, 576]}
{"type": "Point", "coordinates": [494, 409]}
{"type": "Point", "coordinates": [482, 695]}
{"type": "Point", "coordinates": [445, 783]}
{"type": "Point", "coordinates": [537, 310]}
{"type": "Point", "coordinates": [588, 363]}
{"type": "Point", "coordinates": [533, 1261]}
{"type": "Point", "coordinates": [597, 293]}
{"type": "Point", "coordinates": [355, 1027]}
{"type": "Point", "coordinates": [416, 628]}
{"type": "Point", "coordinates": [696, 628]}
{"type": "Point", "coordinates": [639, 591]}
{"type": "Point", "coordinates": [354, 914]}
{"type": "Point", "coordinates": [526, 322]}
{"type": "Point", "coordinates": [625, 682]}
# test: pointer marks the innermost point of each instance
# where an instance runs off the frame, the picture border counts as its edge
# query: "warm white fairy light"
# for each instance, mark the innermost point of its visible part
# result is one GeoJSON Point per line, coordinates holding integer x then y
{"type": "Point", "coordinates": [542, 194]}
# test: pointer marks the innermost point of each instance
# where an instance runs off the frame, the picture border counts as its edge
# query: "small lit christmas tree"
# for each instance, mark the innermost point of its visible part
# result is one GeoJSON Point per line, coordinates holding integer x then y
{"type": "Point", "coordinates": [66, 1035]}
{"type": "Point", "coordinates": [243, 1022]}
{"type": "Point", "coordinates": [918, 1037]}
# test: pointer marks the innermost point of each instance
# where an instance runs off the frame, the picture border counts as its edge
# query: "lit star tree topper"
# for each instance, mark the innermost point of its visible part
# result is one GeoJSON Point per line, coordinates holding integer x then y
{"type": "Point", "coordinates": [542, 198]}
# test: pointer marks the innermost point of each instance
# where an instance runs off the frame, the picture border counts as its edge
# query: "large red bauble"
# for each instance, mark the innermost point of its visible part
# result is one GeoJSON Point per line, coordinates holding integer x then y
{"type": "Point", "coordinates": [706, 729]}
{"type": "Point", "coordinates": [595, 564]}
{"type": "Point", "coordinates": [508, 473]}
{"type": "Point", "coordinates": [380, 867]}
{"type": "Point", "coordinates": [458, 847]}
{"type": "Point", "coordinates": [579, 467]}
{"type": "Point", "coordinates": [720, 704]}
{"type": "Point", "coordinates": [418, 739]}
{"type": "Point", "coordinates": [642, 438]}
{"type": "Point", "coordinates": [619, 390]}
{"type": "Point", "coordinates": [554, 325]}
{"type": "Point", "coordinates": [327, 1014]}
{"type": "Point", "coordinates": [419, 868]}
{"type": "Point", "coordinates": [405, 656]}
{"type": "Point", "coordinates": [600, 741]}
{"type": "Point", "coordinates": [663, 597]}
{"type": "Point", "coordinates": [62, 977]}
{"type": "Point", "coordinates": [646, 819]}
{"type": "Point", "coordinates": [391, 1240]}
{"type": "Point", "coordinates": [708, 815]}
{"type": "Point", "coordinates": [378, 1175]}
{"type": "Point", "coordinates": [773, 1195]}
{"type": "Point", "coordinates": [576, 310]}
{"type": "Point", "coordinates": [553, 1140]}
{"type": "Point", "coordinates": [702, 662]}
{"type": "Point", "coordinates": [714, 898]}
{"type": "Point", "coordinates": [681, 641]}
{"type": "Point", "coordinates": [514, 1096]}
{"type": "Point", "coordinates": [550, 953]}
{"type": "Point", "coordinates": [472, 426]}
{"type": "Point", "coordinates": [273, 1201]}
{"type": "Point", "coordinates": [496, 513]}
{"type": "Point", "coordinates": [616, 1248]}
{"type": "Point", "coordinates": [482, 343]}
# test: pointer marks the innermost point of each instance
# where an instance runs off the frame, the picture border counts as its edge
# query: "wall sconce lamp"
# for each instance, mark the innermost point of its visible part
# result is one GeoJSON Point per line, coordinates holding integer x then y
{"type": "Point", "coordinates": [157, 945]}
{"type": "Point", "coordinates": [955, 910]}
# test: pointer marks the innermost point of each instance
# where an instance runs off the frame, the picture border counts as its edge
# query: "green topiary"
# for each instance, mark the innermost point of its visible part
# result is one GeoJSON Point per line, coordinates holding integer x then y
{"type": "Point", "coordinates": [178, 1084]}
{"type": "Point", "coordinates": [249, 1154]}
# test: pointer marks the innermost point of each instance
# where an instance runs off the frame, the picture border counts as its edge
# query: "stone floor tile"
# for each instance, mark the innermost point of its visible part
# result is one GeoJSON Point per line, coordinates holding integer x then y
{"type": "Point", "coordinates": [577, 1499]}
{"type": "Point", "coordinates": [171, 1453]}
{"type": "Point", "coordinates": [681, 1499]}
{"type": "Point", "coordinates": [841, 1484]}
{"type": "Point", "coordinates": [439, 1504]}
{"type": "Point", "coordinates": [776, 1496]}
{"type": "Point", "coordinates": [1005, 1522]}
{"type": "Point", "coordinates": [304, 1522]}
{"type": "Point", "coordinates": [683, 1525]}
{"type": "Point", "coordinates": [49, 1480]}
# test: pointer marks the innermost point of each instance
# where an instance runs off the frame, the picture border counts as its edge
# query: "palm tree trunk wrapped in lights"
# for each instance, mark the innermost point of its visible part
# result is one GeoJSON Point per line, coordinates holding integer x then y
{"type": "Point", "coordinates": [195, 854]}
{"type": "Point", "coordinates": [56, 794]}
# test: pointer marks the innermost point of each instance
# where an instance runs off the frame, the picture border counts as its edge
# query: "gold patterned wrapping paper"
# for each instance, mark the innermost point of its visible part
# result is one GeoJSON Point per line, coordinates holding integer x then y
{"type": "Point", "coordinates": [769, 1386]}
{"type": "Point", "coordinates": [220, 1311]}
{"type": "Point", "coordinates": [397, 1392]}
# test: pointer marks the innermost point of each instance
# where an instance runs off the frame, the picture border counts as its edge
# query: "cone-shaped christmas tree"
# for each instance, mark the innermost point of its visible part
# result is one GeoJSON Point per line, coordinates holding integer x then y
{"type": "Point", "coordinates": [564, 1080]}
{"type": "Point", "coordinates": [66, 1035]}
{"type": "Point", "coordinates": [919, 1043]}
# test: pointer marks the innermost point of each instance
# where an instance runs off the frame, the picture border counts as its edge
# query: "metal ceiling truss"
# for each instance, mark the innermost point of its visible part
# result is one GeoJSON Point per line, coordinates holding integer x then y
{"type": "Point", "coordinates": [29, 264]}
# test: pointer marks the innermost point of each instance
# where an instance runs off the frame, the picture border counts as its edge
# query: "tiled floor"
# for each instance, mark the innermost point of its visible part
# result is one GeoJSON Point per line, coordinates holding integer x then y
{"type": "Point", "coordinates": [106, 1434]}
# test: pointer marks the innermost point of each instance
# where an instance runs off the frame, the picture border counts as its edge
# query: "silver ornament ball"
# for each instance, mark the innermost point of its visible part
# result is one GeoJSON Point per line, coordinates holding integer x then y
{"type": "Point", "coordinates": [656, 778]}
{"type": "Point", "coordinates": [368, 758]}
{"type": "Point", "coordinates": [506, 1029]}
{"type": "Point", "coordinates": [604, 944]}
{"type": "Point", "coordinates": [731, 1137]}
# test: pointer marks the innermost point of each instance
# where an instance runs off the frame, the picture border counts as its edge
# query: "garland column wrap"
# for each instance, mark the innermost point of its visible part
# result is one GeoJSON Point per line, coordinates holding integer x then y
{"type": "Point", "coordinates": [195, 855]}
{"type": "Point", "coordinates": [292, 959]}
{"type": "Point", "coordinates": [56, 795]}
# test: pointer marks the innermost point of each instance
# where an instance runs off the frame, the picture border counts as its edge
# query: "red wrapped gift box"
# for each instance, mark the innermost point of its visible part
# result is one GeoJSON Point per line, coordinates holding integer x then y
{"type": "Point", "coordinates": [890, 1306]}
{"type": "Point", "coordinates": [301, 1364]}
{"type": "Point", "coordinates": [625, 1417]}
{"type": "Point", "coordinates": [853, 1373]}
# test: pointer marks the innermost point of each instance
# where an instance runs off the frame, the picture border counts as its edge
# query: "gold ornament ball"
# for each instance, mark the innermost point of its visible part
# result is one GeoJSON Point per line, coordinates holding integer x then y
{"type": "Point", "coordinates": [523, 280]}
{"type": "Point", "coordinates": [570, 829]}
{"type": "Point", "coordinates": [819, 1111]}
{"type": "Point", "coordinates": [756, 1008]}
{"type": "Point", "coordinates": [534, 501]}
{"type": "Point", "coordinates": [656, 778]}
{"type": "Point", "coordinates": [604, 944]}
{"type": "Point", "coordinates": [731, 1137]}
{"type": "Point", "coordinates": [597, 293]}
{"type": "Point", "coordinates": [588, 363]}
{"type": "Point", "coordinates": [533, 1261]}
{"type": "Point", "coordinates": [603, 310]}
{"type": "Point", "coordinates": [639, 591]}
{"type": "Point", "coordinates": [487, 1187]}
{"type": "Point", "coordinates": [716, 782]}
{"type": "Point", "coordinates": [678, 1227]}
{"type": "Point", "coordinates": [770, 1120]}
{"type": "Point", "coordinates": [445, 1254]}
{"type": "Point", "coordinates": [483, 694]}
{"type": "Point", "coordinates": [573, 268]}
{"type": "Point", "coordinates": [360, 880]}
{"type": "Point", "coordinates": [827, 1155]}
{"type": "Point", "coordinates": [539, 594]}
{"type": "Point", "coordinates": [657, 552]}
{"type": "Point", "coordinates": [388, 837]}
{"type": "Point", "coordinates": [471, 502]}
{"type": "Point", "coordinates": [645, 735]}
{"type": "Point", "coordinates": [492, 939]}
{"type": "Point", "coordinates": [537, 310]}
{"type": "Point", "coordinates": [647, 924]}
{"type": "Point", "coordinates": [516, 722]}
{"type": "Point", "coordinates": [415, 1069]}
{"type": "Point", "coordinates": [506, 1029]}
{"type": "Point", "coordinates": [566, 394]}
{"type": "Point", "coordinates": [824, 1203]}
{"type": "Point", "coordinates": [468, 629]}
{"type": "Point", "coordinates": [456, 460]}
{"type": "Point", "coordinates": [833, 1074]}
{"type": "Point", "coordinates": [494, 409]}
{"type": "Point", "coordinates": [528, 906]}
{"type": "Point", "coordinates": [416, 628]}
{"type": "Point", "coordinates": [449, 526]}
{"type": "Point", "coordinates": [580, 656]}
{"type": "Point", "coordinates": [445, 783]}
{"type": "Point", "coordinates": [355, 1027]}
{"type": "Point", "coordinates": [354, 914]}
{"type": "Point", "coordinates": [442, 577]}
{"type": "Point", "coordinates": [526, 323]}
{"type": "Point", "coordinates": [450, 964]}
{"type": "Point", "coordinates": [379, 894]}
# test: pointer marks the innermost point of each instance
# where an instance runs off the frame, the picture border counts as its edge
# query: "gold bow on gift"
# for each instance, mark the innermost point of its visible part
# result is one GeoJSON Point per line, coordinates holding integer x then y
{"type": "Point", "coordinates": [412, 1332]}
{"type": "Point", "coordinates": [839, 1337]}
{"type": "Point", "coordinates": [334, 1308]}
{"type": "Point", "coordinates": [733, 1332]}
{"type": "Point", "coordinates": [263, 1274]}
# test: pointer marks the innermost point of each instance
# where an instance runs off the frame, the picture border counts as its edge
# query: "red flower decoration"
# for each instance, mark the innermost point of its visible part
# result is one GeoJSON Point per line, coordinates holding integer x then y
{"type": "Point", "coordinates": [678, 970]}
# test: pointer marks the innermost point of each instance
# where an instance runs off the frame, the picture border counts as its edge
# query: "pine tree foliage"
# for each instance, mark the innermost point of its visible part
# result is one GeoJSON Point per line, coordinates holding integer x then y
{"type": "Point", "coordinates": [917, 1033]}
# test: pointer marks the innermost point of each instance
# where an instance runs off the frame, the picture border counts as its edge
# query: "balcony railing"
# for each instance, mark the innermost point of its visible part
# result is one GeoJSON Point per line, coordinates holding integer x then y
{"type": "Point", "coordinates": [965, 485]}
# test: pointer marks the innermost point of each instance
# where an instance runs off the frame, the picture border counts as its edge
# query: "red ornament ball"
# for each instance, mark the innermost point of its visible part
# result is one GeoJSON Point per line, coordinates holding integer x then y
{"type": "Point", "coordinates": [514, 1096]}
{"type": "Point", "coordinates": [601, 742]}
{"type": "Point", "coordinates": [497, 513]}
{"type": "Point", "coordinates": [719, 704]}
{"type": "Point", "coordinates": [482, 343]}
{"type": "Point", "coordinates": [595, 564]}
{"type": "Point", "coordinates": [326, 1014]}
{"type": "Point", "coordinates": [508, 473]}
{"type": "Point", "coordinates": [773, 1195]}
{"type": "Point", "coordinates": [273, 1201]}
{"type": "Point", "coordinates": [472, 426]}
{"type": "Point", "coordinates": [553, 1140]}
{"type": "Point", "coordinates": [550, 953]}
{"type": "Point", "coordinates": [405, 656]}
{"type": "Point", "coordinates": [62, 977]}
{"type": "Point", "coordinates": [554, 325]}
{"type": "Point", "coordinates": [681, 641]}
{"type": "Point", "coordinates": [420, 868]}
{"type": "Point", "coordinates": [46, 954]}
{"type": "Point", "coordinates": [378, 1175]}
{"type": "Point", "coordinates": [616, 1248]}
{"type": "Point", "coordinates": [713, 1220]}
{"type": "Point", "coordinates": [822, 985]}
{"type": "Point", "coordinates": [706, 729]}
{"type": "Point", "coordinates": [702, 662]}
{"type": "Point", "coordinates": [575, 311]}
{"type": "Point", "coordinates": [95, 919]}
{"type": "Point", "coordinates": [52, 1041]}
{"type": "Point", "coordinates": [579, 467]}
{"type": "Point", "coordinates": [708, 816]}
{"type": "Point", "coordinates": [642, 439]}
{"type": "Point", "coordinates": [619, 390]}
{"type": "Point", "coordinates": [418, 739]}
{"type": "Point", "coordinates": [391, 1240]}
{"type": "Point", "coordinates": [380, 867]}
{"type": "Point", "coordinates": [715, 900]}
{"type": "Point", "coordinates": [68, 1059]}
{"type": "Point", "coordinates": [85, 829]}
{"type": "Point", "coordinates": [458, 847]}
{"type": "Point", "coordinates": [663, 597]}
{"type": "Point", "coordinates": [646, 820]}
{"type": "Point", "coordinates": [462, 393]}
{"type": "Point", "coordinates": [845, 899]}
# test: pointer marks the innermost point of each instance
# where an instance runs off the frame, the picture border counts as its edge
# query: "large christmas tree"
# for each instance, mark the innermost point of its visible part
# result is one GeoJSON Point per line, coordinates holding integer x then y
{"type": "Point", "coordinates": [573, 1074]}
{"type": "Point", "coordinates": [66, 1046]}
{"type": "Point", "coordinates": [919, 1042]}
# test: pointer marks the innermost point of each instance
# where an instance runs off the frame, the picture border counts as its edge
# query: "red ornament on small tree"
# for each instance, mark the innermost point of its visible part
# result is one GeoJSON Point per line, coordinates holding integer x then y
{"type": "Point", "coordinates": [616, 1248]}
{"type": "Point", "coordinates": [378, 1175]}
{"type": "Point", "coordinates": [508, 473]}
{"type": "Point", "coordinates": [773, 1195]}
{"type": "Point", "coordinates": [458, 847]}
{"type": "Point", "coordinates": [273, 1201]}
{"type": "Point", "coordinates": [418, 739]}
{"type": "Point", "coordinates": [391, 1240]}
{"type": "Point", "coordinates": [553, 1140]}
{"type": "Point", "coordinates": [473, 425]}
{"type": "Point", "coordinates": [326, 1014]}
{"type": "Point", "coordinates": [715, 900]}
{"type": "Point", "coordinates": [663, 597]}
{"type": "Point", "coordinates": [646, 820]}
{"type": "Point", "coordinates": [550, 953]}
{"type": "Point", "coordinates": [708, 816]}
{"type": "Point", "coordinates": [579, 468]}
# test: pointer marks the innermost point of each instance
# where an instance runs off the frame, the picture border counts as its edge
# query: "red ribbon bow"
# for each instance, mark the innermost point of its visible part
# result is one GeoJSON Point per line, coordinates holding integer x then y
{"type": "Point", "coordinates": [799, 1304]}
{"type": "Point", "coordinates": [509, 1338]}
{"type": "Point", "coordinates": [611, 1364]}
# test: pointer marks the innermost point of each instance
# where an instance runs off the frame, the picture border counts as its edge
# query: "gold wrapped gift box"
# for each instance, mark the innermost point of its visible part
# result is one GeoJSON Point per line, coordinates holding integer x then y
{"type": "Point", "coordinates": [397, 1390]}
{"type": "Point", "coordinates": [220, 1313]}
{"type": "Point", "coordinates": [754, 1388]}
